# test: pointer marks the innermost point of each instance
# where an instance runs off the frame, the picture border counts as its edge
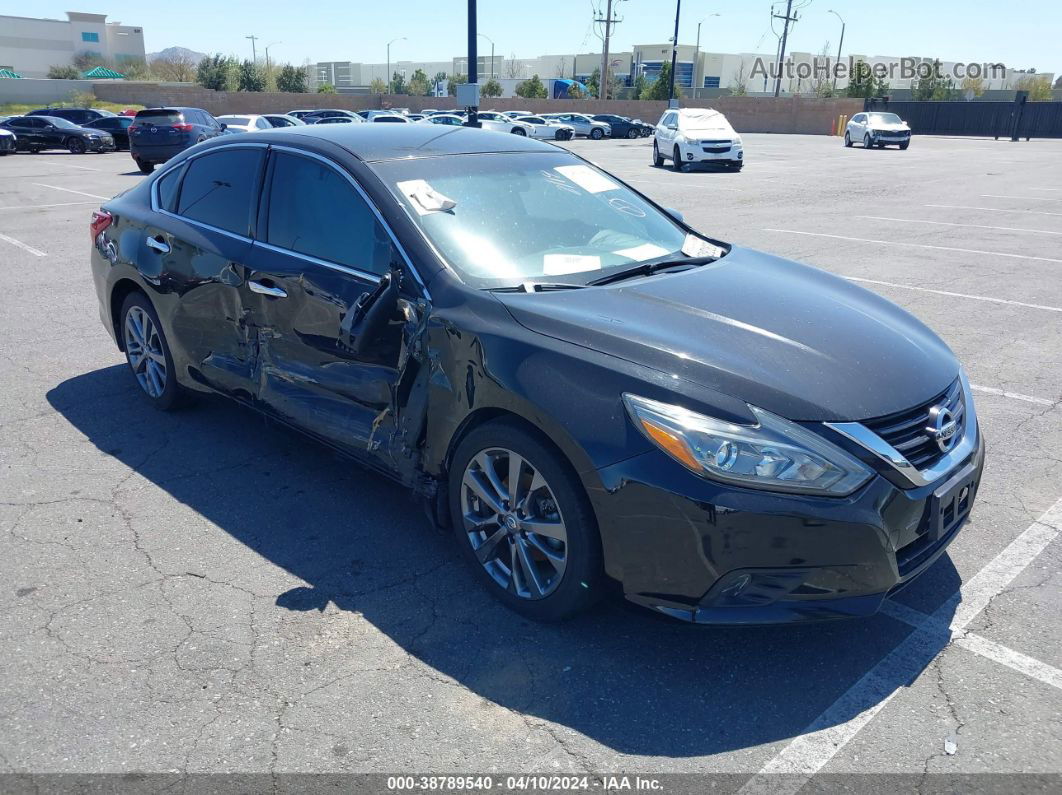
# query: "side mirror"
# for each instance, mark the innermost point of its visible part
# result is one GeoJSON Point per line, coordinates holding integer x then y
{"type": "Point", "coordinates": [224, 126]}
{"type": "Point", "coordinates": [678, 216]}
{"type": "Point", "coordinates": [672, 126]}
{"type": "Point", "coordinates": [370, 314]}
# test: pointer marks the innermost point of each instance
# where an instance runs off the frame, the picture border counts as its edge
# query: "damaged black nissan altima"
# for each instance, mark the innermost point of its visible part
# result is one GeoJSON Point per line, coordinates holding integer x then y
{"type": "Point", "coordinates": [585, 389]}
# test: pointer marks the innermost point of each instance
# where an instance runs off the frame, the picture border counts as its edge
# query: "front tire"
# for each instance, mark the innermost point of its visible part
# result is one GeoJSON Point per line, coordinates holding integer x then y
{"type": "Point", "coordinates": [676, 159]}
{"type": "Point", "coordinates": [866, 141]}
{"type": "Point", "coordinates": [905, 145]}
{"type": "Point", "coordinates": [658, 159]}
{"type": "Point", "coordinates": [632, 134]}
{"type": "Point", "coordinates": [76, 146]}
{"type": "Point", "coordinates": [519, 131]}
{"type": "Point", "coordinates": [847, 139]}
{"type": "Point", "coordinates": [524, 523]}
{"type": "Point", "coordinates": [148, 354]}
{"type": "Point", "coordinates": [597, 134]}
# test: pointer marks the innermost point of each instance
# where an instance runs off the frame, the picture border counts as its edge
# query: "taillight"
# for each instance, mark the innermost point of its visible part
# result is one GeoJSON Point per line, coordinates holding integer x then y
{"type": "Point", "coordinates": [101, 219]}
{"type": "Point", "coordinates": [183, 127]}
{"type": "Point", "coordinates": [134, 127]}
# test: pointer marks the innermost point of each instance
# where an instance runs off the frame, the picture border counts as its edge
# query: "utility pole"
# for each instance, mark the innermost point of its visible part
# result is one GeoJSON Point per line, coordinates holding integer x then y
{"type": "Point", "coordinates": [254, 52]}
{"type": "Point", "coordinates": [674, 55]}
{"type": "Point", "coordinates": [608, 20]}
{"type": "Point", "coordinates": [840, 44]}
{"type": "Point", "coordinates": [789, 17]}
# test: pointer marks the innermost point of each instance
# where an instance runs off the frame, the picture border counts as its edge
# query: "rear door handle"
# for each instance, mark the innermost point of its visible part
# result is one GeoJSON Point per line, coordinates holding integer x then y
{"type": "Point", "coordinates": [158, 244]}
{"type": "Point", "coordinates": [265, 289]}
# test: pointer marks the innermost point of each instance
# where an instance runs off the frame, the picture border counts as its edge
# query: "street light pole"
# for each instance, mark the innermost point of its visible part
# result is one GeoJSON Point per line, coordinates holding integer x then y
{"type": "Point", "coordinates": [839, 45]}
{"type": "Point", "coordinates": [271, 44]}
{"type": "Point", "coordinates": [488, 38]}
{"type": "Point", "coordinates": [674, 55]}
{"type": "Point", "coordinates": [697, 50]}
{"type": "Point", "coordinates": [254, 52]}
{"type": "Point", "coordinates": [390, 82]}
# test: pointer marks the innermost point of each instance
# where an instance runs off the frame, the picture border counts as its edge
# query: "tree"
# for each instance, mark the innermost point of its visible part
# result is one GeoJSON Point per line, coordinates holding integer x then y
{"type": "Point", "coordinates": [84, 61]}
{"type": "Point", "coordinates": [250, 77]}
{"type": "Point", "coordinates": [639, 86]}
{"type": "Point", "coordinates": [178, 68]}
{"type": "Point", "coordinates": [398, 84]}
{"type": "Point", "coordinates": [291, 79]}
{"type": "Point", "coordinates": [861, 82]}
{"type": "Point", "coordinates": [418, 84]}
{"type": "Point", "coordinates": [1039, 87]}
{"type": "Point", "coordinates": [328, 88]}
{"type": "Point", "coordinates": [377, 86]}
{"type": "Point", "coordinates": [574, 92]}
{"type": "Point", "coordinates": [217, 72]}
{"type": "Point", "coordinates": [63, 73]}
{"type": "Point", "coordinates": [492, 88]}
{"type": "Point", "coordinates": [512, 67]}
{"type": "Point", "coordinates": [739, 83]}
{"type": "Point", "coordinates": [932, 85]}
{"type": "Point", "coordinates": [657, 89]}
{"type": "Point", "coordinates": [593, 83]}
{"type": "Point", "coordinates": [531, 89]}
{"type": "Point", "coordinates": [139, 69]}
{"type": "Point", "coordinates": [454, 82]}
{"type": "Point", "coordinates": [973, 87]}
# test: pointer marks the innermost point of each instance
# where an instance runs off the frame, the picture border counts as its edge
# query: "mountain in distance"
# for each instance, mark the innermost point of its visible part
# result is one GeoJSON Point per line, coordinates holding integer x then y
{"type": "Point", "coordinates": [171, 53]}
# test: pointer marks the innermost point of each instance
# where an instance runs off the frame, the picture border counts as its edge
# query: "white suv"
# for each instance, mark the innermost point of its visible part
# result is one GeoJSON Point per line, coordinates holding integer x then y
{"type": "Point", "coordinates": [697, 135]}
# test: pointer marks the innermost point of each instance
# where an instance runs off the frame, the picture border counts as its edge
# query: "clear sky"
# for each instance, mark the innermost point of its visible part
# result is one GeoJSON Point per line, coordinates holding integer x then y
{"type": "Point", "coordinates": [1020, 33]}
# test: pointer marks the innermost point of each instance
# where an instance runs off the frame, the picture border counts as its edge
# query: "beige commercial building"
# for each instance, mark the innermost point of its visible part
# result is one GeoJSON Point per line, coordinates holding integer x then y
{"type": "Point", "coordinates": [29, 46]}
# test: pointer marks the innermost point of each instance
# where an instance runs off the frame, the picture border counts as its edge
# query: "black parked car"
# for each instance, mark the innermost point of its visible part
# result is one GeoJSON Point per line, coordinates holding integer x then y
{"type": "Point", "coordinates": [37, 133]}
{"type": "Point", "coordinates": [331, 113]}
{"type": "Point", "coordinates": [76, 115]}
{"type": "Point", "coordinates": [157, 134]}
{"type": "Point", "coordinates": [622, 127]}
{"type": "Point", "coordinates": [8, 141]}
{"type": "Point", "coordinates": [117, 126]}
{"type": "Point", "coordinates": [579, 384]}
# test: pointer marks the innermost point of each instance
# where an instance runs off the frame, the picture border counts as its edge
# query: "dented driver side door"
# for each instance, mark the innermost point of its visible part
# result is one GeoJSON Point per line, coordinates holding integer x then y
{"type": "Point", "coordinates": [320, 249]}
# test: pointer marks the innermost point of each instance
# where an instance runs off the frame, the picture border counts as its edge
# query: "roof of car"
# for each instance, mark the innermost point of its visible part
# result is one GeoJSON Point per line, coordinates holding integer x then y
{"type": "Point", "coordinates": [372, 142]}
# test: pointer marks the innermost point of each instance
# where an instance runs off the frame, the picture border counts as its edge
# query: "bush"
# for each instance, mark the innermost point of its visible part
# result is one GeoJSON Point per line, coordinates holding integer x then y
{"type": "Point", "coordinates": [328, 88]}
{"type": "Point", "coordinates": [63, 73]}
{"type": "Point", "coordinates": [531, 89]}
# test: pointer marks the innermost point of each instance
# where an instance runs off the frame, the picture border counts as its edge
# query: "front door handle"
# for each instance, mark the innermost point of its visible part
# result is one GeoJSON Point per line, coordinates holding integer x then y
{"type": "Point", "coordinates": [265, 289]}
{"type": "Point", "coordinates": [158, 244]}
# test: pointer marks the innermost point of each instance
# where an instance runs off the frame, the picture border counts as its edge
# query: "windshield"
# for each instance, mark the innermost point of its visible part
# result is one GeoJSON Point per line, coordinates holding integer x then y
{"type": "Point", "coordinates": [239, 121]}
{"type": "Point", "coordinates": [504, 219]}
{"type": "Point", "coordinates": [885, 118]}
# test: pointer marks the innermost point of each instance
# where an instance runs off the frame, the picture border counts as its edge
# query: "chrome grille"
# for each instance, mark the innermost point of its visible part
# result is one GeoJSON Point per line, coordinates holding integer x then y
{"type": "Point", "coordinates": [908, 431]}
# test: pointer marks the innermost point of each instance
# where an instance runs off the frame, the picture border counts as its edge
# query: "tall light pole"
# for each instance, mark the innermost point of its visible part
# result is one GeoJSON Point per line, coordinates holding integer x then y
{"type": "Point", "coordinates": [254, 52]}
{"type": "Point", "coordinates": [271, 44]}
{"type": "Point", "coordinates": [839, 45]}
{"type": "Point", "coordinates": [697, 49]}
{"type": "Point", "coordinates": [674, 55]}
{"type": "Point", "coordinates": [390, 82]}
{"type": "Point", "coordinates": [488, 38]}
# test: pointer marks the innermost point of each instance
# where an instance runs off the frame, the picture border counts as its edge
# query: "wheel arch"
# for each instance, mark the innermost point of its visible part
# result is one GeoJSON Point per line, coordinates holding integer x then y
{"type": "Point", "coordinates": [121, 290]}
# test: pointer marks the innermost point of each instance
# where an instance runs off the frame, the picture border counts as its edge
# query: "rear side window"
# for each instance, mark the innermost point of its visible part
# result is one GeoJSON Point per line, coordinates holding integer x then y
{"type": "Point", "coordinates": [159, 117]}
{"type": "Point", "coordinates": [167, 188]}
{"type": "Point", "coordinates": [220, 189]}
{"type": "Point", "coordinates": [314, 210]}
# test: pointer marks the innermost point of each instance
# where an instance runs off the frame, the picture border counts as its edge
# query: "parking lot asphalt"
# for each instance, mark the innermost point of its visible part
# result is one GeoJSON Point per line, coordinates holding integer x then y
{"type": "Point", "coordinates": [203, 592]}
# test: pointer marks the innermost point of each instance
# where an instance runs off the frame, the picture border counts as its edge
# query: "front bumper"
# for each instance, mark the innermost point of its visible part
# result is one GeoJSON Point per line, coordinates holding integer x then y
{"type": "Point", "coordinates": [701, 152]}
{"type": "Point", "coordinates": [8, 143]}
{"type": "Point", "coordinates": [710, 553]}
{"type": "Point", "coordinates": [100, 145]}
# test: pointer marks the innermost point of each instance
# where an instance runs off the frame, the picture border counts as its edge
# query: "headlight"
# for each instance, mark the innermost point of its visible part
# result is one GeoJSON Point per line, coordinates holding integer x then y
{"type": "Point", "coordinates": [776, 454]}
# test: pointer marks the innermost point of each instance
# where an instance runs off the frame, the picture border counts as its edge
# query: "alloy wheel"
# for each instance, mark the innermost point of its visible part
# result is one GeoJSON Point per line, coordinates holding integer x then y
{"type": "Point", "coordinates": [513, 522]}
{"type": "Point", "coordinates": [143, 349]}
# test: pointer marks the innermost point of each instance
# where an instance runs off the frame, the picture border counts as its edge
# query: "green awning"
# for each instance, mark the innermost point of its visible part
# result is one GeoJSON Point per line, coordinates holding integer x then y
{"type": "Point", "coordinates": [9, 73]}
{"type": "Point", "coordinates": [102, 73]}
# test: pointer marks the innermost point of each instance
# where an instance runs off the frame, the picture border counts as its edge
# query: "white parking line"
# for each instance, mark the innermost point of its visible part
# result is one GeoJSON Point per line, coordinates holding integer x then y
{"type": "Point", "coordinates": [805, 755]}
{"type": "Point", "coordinates": [1045, 188]}
{"type": "Point", "coordinates": [992, 209]}
{"type": "Point", "coordinates": [1023, 198]}
{"type": "Point", "coordinates": [663, 184]}
{"type": "Point", "coordinates": [917, 245]}
{"type": "Point", "coordinates": [946, 223]}
{"type": "Point", "coordinates": [69, 190]}
{"type": "Point", "coordinates": [66, 165]}
{"type": "Point", "coordinates": [42, 206]}
{"type": "Point", "coordinates": [18, 243]}
{"type": "Point", "coordinates": [954, 295]}
{"type": "Point", "coordinates": [991, 390]}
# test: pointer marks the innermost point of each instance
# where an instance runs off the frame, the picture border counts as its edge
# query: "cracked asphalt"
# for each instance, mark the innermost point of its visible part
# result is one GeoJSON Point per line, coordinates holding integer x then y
{"type": "Point", "coordinates": [204, 592]}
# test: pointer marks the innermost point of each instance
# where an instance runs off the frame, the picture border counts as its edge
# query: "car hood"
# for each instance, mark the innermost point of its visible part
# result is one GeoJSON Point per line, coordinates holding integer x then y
{"type": "Point", "coordinates": [783, 336]}
{"type": "Point", "coordinates": [709, 132]}
{"type": "Point", "coordinates": [890, 127]}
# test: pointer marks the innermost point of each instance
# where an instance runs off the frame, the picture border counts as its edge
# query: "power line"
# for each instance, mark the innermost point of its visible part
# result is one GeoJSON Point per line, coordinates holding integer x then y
{"type": "Point", "coordinates": [788, 19]}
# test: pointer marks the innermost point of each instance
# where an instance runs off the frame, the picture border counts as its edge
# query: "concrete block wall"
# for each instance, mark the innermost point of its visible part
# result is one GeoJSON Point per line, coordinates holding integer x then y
{"type": "Point", "coordinates": [803, 115]}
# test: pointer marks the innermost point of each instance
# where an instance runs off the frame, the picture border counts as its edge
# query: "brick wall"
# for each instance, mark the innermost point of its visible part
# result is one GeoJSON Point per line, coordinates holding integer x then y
{"type": "Point", "coordinates": [748, 114]}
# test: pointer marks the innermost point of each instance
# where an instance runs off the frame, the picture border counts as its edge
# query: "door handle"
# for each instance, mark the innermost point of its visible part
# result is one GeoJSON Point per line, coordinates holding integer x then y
{"type": "Point", "coordinates": [265, 289]}
{"type": "Point", "coordinates": [158, 244]}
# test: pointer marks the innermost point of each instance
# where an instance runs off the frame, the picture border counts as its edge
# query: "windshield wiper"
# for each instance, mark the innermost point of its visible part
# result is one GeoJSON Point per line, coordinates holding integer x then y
{"type": "Point", "coordinates": [536, 287]}
{"type": "Point", "coordinates": [649, 268]}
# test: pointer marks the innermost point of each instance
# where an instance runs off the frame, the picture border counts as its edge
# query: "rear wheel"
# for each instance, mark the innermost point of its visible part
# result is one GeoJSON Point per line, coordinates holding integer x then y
{"type": "Point", "coordinates": [148, 353]}
{"type": "Point", "coordinates": [34, 150]}
{"type": "Point", "coordinates": [524, 524]}
{"type": "Point", "coordinates": [145, 167]}
{"type": "Point", "coordinates": [658, 160]}
{"type": "Point", "coordinates": [597, 134]}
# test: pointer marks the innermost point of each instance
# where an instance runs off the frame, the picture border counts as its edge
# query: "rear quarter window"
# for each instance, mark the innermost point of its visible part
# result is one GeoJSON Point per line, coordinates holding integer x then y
{"type": "Point", "coordinates": [168, 186]}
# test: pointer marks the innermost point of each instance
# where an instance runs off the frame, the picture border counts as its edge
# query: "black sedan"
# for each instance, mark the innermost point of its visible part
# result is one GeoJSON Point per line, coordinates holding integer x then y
{"type": "Point", "coordinates": [622, 127]}
{"type": "Point", "coordinates": [37, 133]}
{"type": "Point", "coordinates": [576, 382]}
{"type": "Point", "coordinates": [117, 126]}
